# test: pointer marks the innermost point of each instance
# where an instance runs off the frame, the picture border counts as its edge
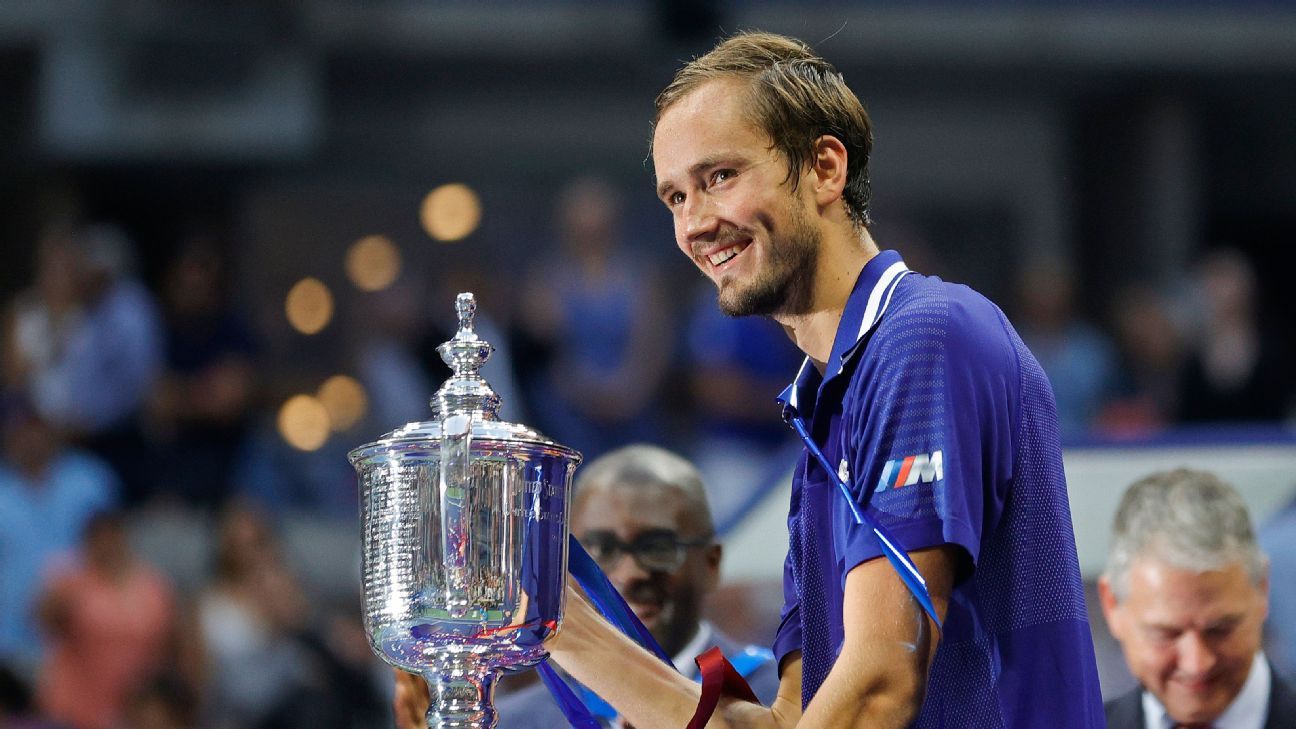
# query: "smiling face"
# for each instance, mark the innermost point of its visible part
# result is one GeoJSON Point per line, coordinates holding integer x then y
{"type": "Point", "coordinates": [668, 603]}
{"type": "Point", "coordinates": [735, 213]}
{"type": "Point", "coordinates": [1189, 637]}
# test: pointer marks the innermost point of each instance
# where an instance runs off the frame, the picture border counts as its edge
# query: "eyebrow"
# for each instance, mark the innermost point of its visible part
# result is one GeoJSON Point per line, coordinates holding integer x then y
{"type": "Point", "coordinates": [694, 169]}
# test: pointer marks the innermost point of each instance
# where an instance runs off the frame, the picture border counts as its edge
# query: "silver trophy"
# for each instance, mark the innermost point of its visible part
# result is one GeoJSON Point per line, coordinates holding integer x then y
{"type": "Point", "coordinates": [464, 528]}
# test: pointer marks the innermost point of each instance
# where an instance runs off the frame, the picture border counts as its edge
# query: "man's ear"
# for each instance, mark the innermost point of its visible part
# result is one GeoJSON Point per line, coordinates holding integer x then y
{"type": "Point", "coordinates": [713, 554]}
{"type": "Point", "coordinates": [828, 170]}
{"type": "Point", "coordinates": [1110, 607]}
{"type": "Point", "coordinates": [1263, 586]}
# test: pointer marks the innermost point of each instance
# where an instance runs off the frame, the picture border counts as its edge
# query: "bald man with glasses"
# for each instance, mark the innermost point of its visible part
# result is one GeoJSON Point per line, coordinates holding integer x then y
{"type": "Point", "coordinates": [641, 513]}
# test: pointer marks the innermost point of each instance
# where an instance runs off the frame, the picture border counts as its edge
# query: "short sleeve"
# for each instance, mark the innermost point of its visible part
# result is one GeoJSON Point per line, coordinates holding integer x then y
{"type": "Point", "coordinates": [929, 434]}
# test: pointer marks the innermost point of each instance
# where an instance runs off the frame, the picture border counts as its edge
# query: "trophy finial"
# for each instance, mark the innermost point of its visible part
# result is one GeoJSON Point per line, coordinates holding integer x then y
{"type": "Point", "coordinates": [466, 306]}
{"type": "Point", "coordinates": [465, 353]}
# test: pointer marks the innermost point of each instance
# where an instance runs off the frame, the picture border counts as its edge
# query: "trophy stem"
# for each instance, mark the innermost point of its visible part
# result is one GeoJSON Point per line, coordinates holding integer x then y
{"type": "Point", "coordinates": [463, 697]}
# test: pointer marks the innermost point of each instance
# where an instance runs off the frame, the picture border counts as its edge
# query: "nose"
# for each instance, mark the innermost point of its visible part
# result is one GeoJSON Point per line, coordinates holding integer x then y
{"type": "Point", "coordinates": [1195, 656]}
{"type": "Point", "coordinates": [626, 571]}
{"type": "Point", "coordinates": [698, 218]}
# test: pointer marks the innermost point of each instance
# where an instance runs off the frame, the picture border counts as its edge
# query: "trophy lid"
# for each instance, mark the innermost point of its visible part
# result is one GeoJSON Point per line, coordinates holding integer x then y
{"type": "Point", "coordinates": [464, 399]}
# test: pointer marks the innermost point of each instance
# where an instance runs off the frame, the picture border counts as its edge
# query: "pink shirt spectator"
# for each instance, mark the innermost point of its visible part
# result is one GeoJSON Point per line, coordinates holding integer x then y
{"type": "Point", "coordinates": [112, 635]}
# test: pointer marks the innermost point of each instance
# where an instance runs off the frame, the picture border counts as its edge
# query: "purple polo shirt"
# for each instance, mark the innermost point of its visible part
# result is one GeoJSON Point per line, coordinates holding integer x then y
{"type": "Point", "coordinates": [945, 429]}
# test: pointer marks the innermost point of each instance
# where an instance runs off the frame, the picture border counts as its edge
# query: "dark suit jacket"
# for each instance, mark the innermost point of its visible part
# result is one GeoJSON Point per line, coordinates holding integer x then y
{"type": "Point", "coordinates": [534, 708]}
{"type": "Point", "coordinates": [1126, 712]}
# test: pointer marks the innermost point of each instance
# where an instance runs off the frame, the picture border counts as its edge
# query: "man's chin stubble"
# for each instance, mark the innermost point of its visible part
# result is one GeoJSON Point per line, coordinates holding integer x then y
{"type": "Point", "coordinates": [786, 299]}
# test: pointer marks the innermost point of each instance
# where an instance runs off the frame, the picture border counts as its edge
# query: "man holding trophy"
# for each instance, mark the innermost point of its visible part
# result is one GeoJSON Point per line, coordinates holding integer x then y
{"type": "Point", "coordinates": [930, 438]}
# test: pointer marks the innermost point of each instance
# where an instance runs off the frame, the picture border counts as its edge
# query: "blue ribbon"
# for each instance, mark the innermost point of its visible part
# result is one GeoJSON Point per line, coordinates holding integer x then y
{"type": "Point", "coordinates": [576, 712]}
{"type": "Point", "coordinates": [608, 600]}
{"type": "Point", "coordinates": [613, 607]}
{"type": "Point", "coordinates": [899, 560]}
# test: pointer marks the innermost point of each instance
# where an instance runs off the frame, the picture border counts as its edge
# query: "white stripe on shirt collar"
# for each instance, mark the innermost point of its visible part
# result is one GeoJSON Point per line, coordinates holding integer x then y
{"type": "Point", "coordinates": [792, 394]}
{"type": "Point", "coordinates": [880, 297]}
{"type": "Point", "coordinates": [878, 301]}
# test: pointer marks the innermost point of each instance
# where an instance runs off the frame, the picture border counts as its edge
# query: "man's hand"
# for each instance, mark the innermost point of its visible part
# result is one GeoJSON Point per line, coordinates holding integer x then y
{"type": "Point", "coordinates": [410, 703]}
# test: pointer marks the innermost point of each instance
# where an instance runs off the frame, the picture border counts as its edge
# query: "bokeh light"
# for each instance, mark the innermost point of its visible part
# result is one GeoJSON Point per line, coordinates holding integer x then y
{"type": "Point", "coordinates": [450, 212]}
{"type": "Point", "coordinates": [373, 263]}
{"type": "Point", "coordinates": [345, 400]}
{"type": "Point", "coordinates": [304, 423]}
{"type": "Point", "coordinates": [309, 306]}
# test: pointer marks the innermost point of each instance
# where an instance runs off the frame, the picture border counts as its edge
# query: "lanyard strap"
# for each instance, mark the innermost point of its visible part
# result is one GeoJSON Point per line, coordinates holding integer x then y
{"type": "Point", "coordinates": [890, 547]}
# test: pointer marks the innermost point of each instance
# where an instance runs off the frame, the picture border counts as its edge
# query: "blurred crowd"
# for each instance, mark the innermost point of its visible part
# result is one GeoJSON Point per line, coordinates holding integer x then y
{"type": "Point", "coordinates": [1199, 353]}
{"type": "Point", "coordinates": [149, 508]}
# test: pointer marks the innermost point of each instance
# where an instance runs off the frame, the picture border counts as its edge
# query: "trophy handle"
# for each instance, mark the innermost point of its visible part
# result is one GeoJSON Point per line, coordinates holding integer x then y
{"type": "Point", "coordinates": [455, 481]}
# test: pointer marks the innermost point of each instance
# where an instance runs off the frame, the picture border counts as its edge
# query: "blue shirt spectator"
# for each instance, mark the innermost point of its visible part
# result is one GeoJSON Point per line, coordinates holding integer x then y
{"type": "Point", "coordinates": [47, 495]}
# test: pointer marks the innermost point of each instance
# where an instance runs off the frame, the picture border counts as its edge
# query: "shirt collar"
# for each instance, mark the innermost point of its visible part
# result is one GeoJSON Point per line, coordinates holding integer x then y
{"type": "Point", "coordinates": [864, 309]}
{"type": "Point", "coordinates": [1247, 711]}
{"type": "Point", "coordinates": [686, 659]}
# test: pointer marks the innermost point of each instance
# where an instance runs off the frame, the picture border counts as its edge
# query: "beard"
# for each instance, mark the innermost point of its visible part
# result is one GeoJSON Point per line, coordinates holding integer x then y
{"type": "Point", "coordinates": [784, 285]}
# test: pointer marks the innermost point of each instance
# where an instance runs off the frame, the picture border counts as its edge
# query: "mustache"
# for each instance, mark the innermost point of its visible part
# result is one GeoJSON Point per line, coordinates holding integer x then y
{"type": "Point", "coordinates": [724, 237]}
{"type": "Point", "coordinates": [642, 591]}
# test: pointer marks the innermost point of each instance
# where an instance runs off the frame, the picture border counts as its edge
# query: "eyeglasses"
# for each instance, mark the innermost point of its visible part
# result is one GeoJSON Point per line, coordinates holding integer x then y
{"type": "Point", "coordinates": [656, 550]}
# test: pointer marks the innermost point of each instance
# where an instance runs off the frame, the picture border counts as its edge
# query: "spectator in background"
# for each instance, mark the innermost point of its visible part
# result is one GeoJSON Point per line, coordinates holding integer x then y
{"type": "Point", "coordinates": [388, 363]}
{"type": "Point", "coordinates": [48, 493]}
{"type": "Point", "coordinates": [199, 409]}
{"type": "Point", "coordinates": [87, 346]}
{"type": "Point", "coordinates": [111, 619]}
{"type": "Point", "coordinates": [1148, 340]}
{"type": "Point", "coordinates": [1236, 370]}
{"type": "Point", "coordinates": [269, 665]}
{"type": "Point", "coordinates": [603, 315]}
{"type": "Point", "coordinates": [1077, 357]}
{"type": "Point", "coordinates": [284, 479]}
{"type": "Point", "coordinates": [736, 367]}
{"type": "Point", "coordinates": [397, 358]}
{"type": "Point", "coordinates": [246, 617]}
{"type": "Point", "coordinates": [43, 315]}
{"type": "Point", "coordinates": [1186, 592]}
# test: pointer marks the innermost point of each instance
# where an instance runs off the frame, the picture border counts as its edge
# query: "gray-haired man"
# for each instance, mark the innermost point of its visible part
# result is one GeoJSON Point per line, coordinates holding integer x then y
{"type": "Point", "coordinates": [1186, 592]}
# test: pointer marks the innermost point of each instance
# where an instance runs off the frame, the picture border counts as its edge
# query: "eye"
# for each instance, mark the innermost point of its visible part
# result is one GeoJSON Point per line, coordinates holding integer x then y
{"type": "Point", "coordinates": [1162, 636]}
{"type": "Point", "coordinates": [675, 198]}
{"type": "Point", "coordinates": [721, 175]}
{"type": "Point", "coordinates": [1221, 631]}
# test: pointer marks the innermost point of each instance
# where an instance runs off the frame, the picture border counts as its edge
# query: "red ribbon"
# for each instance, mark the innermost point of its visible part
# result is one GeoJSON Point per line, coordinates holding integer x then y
{"type": "Point", "coordinates": [719, 677]}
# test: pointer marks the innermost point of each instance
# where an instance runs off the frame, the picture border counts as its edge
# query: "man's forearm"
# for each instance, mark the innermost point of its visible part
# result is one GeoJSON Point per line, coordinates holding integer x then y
{"type": "Point", "coordinates": [646, 691]}
{"type": "Point", "coordinates": [879, 702]}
